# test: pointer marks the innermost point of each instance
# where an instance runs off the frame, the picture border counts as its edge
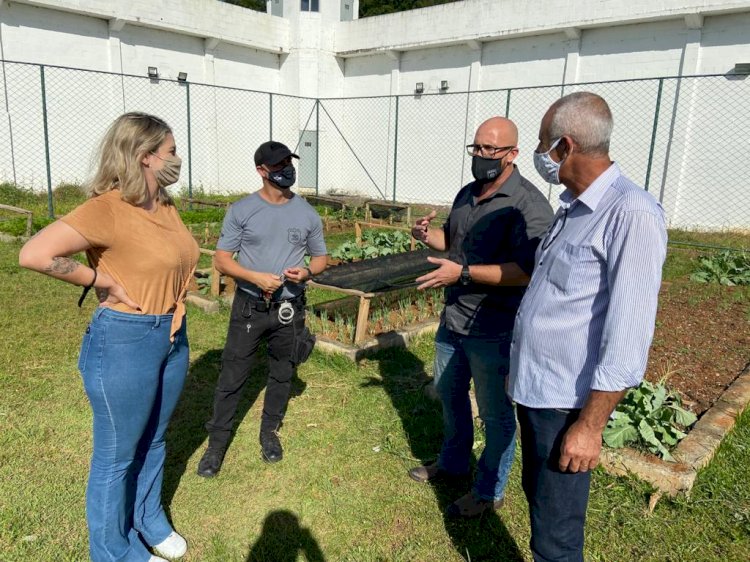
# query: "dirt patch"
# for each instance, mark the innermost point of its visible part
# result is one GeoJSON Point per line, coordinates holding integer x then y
{"type": "Point", "coordinates": [702, 340]}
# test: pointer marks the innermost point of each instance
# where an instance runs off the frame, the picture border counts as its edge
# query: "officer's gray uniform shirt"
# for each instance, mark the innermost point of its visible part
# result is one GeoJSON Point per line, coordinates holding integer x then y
{"type": "Point", "coordinates": [271, 238]}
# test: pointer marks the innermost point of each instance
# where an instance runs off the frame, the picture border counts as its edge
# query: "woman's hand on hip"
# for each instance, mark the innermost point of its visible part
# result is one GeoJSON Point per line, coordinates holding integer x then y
{"type": "Point", "coordinates": [110, 293]}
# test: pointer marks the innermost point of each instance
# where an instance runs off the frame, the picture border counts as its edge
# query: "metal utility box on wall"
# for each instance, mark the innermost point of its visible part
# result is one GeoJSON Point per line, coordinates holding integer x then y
{"type": "Point", "coordinates": [347, 10]}
{"type": "Point", "coordinates": [308, 159]}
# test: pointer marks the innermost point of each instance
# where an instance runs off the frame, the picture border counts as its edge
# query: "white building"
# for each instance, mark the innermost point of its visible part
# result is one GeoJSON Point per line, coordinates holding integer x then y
{"type": "Point", "coordinates": [252, 75]}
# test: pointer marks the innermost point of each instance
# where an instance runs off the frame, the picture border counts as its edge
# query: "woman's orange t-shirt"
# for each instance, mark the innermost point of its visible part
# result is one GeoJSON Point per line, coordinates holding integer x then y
{"type": "Point", "coordinates": [149, 253]}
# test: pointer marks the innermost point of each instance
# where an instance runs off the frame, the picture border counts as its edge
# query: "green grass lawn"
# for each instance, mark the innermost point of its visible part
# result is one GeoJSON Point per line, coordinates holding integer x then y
{"type": "Point", "coordinates": [341, 492]}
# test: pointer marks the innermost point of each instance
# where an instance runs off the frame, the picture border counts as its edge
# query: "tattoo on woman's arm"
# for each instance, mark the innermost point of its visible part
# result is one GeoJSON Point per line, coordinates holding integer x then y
{"type": "Point", "coordinates": [62, 266]}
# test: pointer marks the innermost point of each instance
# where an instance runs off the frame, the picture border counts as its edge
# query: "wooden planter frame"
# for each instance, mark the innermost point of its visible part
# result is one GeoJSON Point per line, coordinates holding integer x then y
{"type": "Point", "coordinates": [29, 217]}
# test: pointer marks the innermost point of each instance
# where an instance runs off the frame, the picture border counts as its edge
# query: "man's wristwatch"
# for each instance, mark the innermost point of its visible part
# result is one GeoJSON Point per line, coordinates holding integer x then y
{"type": "Point", "coordinates": [309, 273]}
{"type": "Point", "coordinates": [465, 277]}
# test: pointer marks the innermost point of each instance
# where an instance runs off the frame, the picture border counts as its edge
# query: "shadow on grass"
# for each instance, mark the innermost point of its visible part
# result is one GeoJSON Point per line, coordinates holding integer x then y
{"type": "Point", "coordinates": [187, 431]}
{"type": "Point", "coordinates": [283, 540]}
{"type": "Point", "coordinates": [404, 380]}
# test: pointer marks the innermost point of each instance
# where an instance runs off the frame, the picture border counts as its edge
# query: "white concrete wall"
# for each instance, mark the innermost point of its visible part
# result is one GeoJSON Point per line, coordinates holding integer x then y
{"type": "Point", "coordinates": [514, 57]}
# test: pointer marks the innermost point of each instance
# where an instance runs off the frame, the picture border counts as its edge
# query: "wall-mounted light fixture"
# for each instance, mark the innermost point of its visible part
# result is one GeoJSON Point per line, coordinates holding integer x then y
{"type": "Point", "coordinates": [419, 88]}
{"type": "Point", "coordinates": [182, 77]}
{"type": "Point", "coordinates": [153, 72]}
{"type": "Point", "coordinates": [443, 85]}
{"type": "Point", "coordinates": [742, 68]}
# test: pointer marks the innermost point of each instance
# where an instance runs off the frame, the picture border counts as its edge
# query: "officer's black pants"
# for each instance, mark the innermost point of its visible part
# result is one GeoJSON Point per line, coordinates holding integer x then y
{"type": "Point", "coordinates": [247, 328]}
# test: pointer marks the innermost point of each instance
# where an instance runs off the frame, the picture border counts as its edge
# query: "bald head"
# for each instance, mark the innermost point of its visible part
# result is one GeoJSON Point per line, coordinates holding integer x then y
{"type": "Point", "coordinates": [497, 131]}
{"type": "Point", "coordinates": [583, 116]}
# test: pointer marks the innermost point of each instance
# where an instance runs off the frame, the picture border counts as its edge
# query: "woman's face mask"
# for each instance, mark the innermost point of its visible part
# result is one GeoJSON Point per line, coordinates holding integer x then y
{"type": "Point", "coordinates": [170, 172]}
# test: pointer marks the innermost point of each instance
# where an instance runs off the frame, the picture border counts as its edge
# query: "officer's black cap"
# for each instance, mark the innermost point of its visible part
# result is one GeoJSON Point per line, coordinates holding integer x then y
{"type": "Point", "coordinates": [271, 153]}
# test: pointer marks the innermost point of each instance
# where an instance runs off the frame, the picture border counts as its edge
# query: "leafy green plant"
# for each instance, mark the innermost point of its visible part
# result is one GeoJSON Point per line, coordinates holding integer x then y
{"type": "Point", "coordinates": [197, 216]}
{"type": "Point", "coordinates": [19, 196]}
{"type": "Point", "coordinates": [69, 193]}
{"type": "Point", "coordinates": [204, 284]}
{"type": "Point", "coordinates": [650, 416]}
{"type": "Point", "coordinates": [727, 267]}
{"type": "Point", "coordinates": [375, 243]}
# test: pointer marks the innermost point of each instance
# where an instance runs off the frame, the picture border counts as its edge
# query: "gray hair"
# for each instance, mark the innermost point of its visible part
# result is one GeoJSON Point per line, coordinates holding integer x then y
{"type": "Point", "coordinates": [586, 118]}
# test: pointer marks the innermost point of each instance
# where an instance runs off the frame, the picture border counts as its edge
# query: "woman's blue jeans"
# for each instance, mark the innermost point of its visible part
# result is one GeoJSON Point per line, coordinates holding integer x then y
{"type": "Point", "coordinates": [458, 360]}
{"type": "Point", "coordinates": [133, 376]}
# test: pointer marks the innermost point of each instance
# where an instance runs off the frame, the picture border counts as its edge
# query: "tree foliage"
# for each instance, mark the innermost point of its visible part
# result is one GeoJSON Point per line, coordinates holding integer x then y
{"type": "Point", "coordinates": [378, 7]}
{"type": "Point", "coordinates": [366, 7]}
{"type": "Point", "coordinates": [257, 5]}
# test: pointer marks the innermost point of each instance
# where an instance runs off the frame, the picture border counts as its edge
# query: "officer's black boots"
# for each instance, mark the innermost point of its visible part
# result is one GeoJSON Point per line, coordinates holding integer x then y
{"type": "Point", "coordinates": [270, 446]}
{"type": "Point", "coordinates": [210, 463]}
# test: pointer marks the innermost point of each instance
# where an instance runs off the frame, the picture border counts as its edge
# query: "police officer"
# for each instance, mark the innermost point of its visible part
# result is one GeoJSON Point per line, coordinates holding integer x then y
{"type": "Point", "coordinates": [271, 230]}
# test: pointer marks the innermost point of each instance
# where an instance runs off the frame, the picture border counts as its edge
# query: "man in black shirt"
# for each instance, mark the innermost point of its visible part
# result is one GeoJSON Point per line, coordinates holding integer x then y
{"type": "Point", "coordinates": [491, 235]}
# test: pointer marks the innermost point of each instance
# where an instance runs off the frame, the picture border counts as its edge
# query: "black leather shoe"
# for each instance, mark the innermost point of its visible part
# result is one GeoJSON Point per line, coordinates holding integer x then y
{"type": "Point", "coordinates": [270, 446]}
{"type": "Point", "coordinates": [210, 463]}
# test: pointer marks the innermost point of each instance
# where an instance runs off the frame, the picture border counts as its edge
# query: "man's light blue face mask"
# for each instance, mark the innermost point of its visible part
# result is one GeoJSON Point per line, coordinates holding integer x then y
{"type": "Point", "coordinates": [548, 168]}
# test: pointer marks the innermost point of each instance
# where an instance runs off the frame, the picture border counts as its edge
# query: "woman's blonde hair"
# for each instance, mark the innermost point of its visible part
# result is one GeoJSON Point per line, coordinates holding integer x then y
{"type": "Point", "coordinates": [128, 140]}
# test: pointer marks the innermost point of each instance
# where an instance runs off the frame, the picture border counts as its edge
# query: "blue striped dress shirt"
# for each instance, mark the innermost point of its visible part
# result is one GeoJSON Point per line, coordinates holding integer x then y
{"type": "Point", "coordinates": [587, 318]}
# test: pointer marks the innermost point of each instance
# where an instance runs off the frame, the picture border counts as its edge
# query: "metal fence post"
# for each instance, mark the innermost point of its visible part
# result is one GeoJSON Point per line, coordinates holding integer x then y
{"type": "Point", "coordinates": [653, 134]}
{"type": "Point", "coordinates": [270, 116]}
{"type": "Point", "coordinates": [317, 144]}
{"type": "Point", "coordinates": [507, 104]}
{"type": "Point", "coordinates": [395, 151]}
{"type": "Point", "coordinates": [50, 202]}
{"type": "Point", "coordinates": [189, 147]}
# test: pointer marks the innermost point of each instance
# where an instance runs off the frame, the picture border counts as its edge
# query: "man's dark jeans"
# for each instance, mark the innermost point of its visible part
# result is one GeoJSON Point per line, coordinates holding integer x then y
{"type": "Point", "coordinates": [557, 500]}
{"type": "Point", "coordinates": [248, 326]}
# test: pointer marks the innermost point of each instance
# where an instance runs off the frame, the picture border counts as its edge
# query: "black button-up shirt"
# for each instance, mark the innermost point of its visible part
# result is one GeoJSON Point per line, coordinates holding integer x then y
{"type": "Point", "coordinates": [505, 227]}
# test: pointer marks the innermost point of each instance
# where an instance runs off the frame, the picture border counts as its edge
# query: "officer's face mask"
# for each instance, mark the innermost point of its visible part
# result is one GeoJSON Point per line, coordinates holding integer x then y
{"type": "Point", "coordinates": [283, 178]}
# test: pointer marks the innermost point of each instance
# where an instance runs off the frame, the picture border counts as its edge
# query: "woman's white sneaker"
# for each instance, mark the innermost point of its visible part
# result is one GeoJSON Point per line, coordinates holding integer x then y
{"type": "Point", "coordinates": [157, 559]}
{"type": "Point", "coordinates": [174, 546]}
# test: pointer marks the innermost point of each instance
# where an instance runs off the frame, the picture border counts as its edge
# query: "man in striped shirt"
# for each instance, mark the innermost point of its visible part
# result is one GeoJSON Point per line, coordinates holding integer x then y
{"type": "Point", "coordinates": [585, 324]}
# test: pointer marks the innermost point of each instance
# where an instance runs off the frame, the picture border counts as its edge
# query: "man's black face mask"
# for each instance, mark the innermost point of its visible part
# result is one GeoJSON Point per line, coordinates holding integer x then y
{"type": "Point", "coordinates": [486, 170]}
{"type": "Point", "coordinates": [283, 178]}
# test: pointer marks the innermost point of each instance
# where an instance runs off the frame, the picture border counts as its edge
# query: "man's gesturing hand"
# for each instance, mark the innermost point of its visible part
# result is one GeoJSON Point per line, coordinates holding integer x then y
{"type": "Point", "coordinates": [447, 274]}
{"type": "Point", "coordinates": [421, 229]}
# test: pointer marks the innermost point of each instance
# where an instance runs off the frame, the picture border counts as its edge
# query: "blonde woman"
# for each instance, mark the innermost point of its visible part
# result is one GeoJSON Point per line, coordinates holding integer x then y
{"type": "Point", "coordinates": [134, 355]}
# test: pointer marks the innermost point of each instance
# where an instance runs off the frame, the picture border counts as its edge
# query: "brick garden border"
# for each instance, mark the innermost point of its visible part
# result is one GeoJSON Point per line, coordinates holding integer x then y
{"type": "Point", "coordinates": [692, 453]}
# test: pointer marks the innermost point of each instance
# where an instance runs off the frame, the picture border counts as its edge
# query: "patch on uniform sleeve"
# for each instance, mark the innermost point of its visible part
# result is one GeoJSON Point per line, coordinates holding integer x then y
{"type": "Point", "coordinates": [294, 235]}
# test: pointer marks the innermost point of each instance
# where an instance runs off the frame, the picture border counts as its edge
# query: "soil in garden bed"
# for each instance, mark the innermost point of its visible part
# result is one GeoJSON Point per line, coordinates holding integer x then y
{"type": "Point", "coordinates": [702, 340]}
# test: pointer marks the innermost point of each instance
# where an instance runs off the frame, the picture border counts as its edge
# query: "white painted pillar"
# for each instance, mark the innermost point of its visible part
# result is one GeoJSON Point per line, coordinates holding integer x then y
{"type": "Point", "coordinates": [395, 87]}
{"type": "Point", "coordinates": [7, 160]}
{"type": "Point", "coordinates": [572, 56]}
{"type": "Point", "coordinates": [114, 59]}
{"type": "Point", "coordinates": [209, 71]}
{"type": "Point", "coordinates": [674, 185]}
{"type": "Point", "coordinates": [115, 53]}
{"type": "Point", "coordinates": [471, 123]}
{"type": "Point", "coordinates": [211, 167]}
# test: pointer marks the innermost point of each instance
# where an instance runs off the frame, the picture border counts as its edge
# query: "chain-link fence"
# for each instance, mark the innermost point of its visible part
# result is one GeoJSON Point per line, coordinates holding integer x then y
{"type": "Point", "coordinates": [683, 139]}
